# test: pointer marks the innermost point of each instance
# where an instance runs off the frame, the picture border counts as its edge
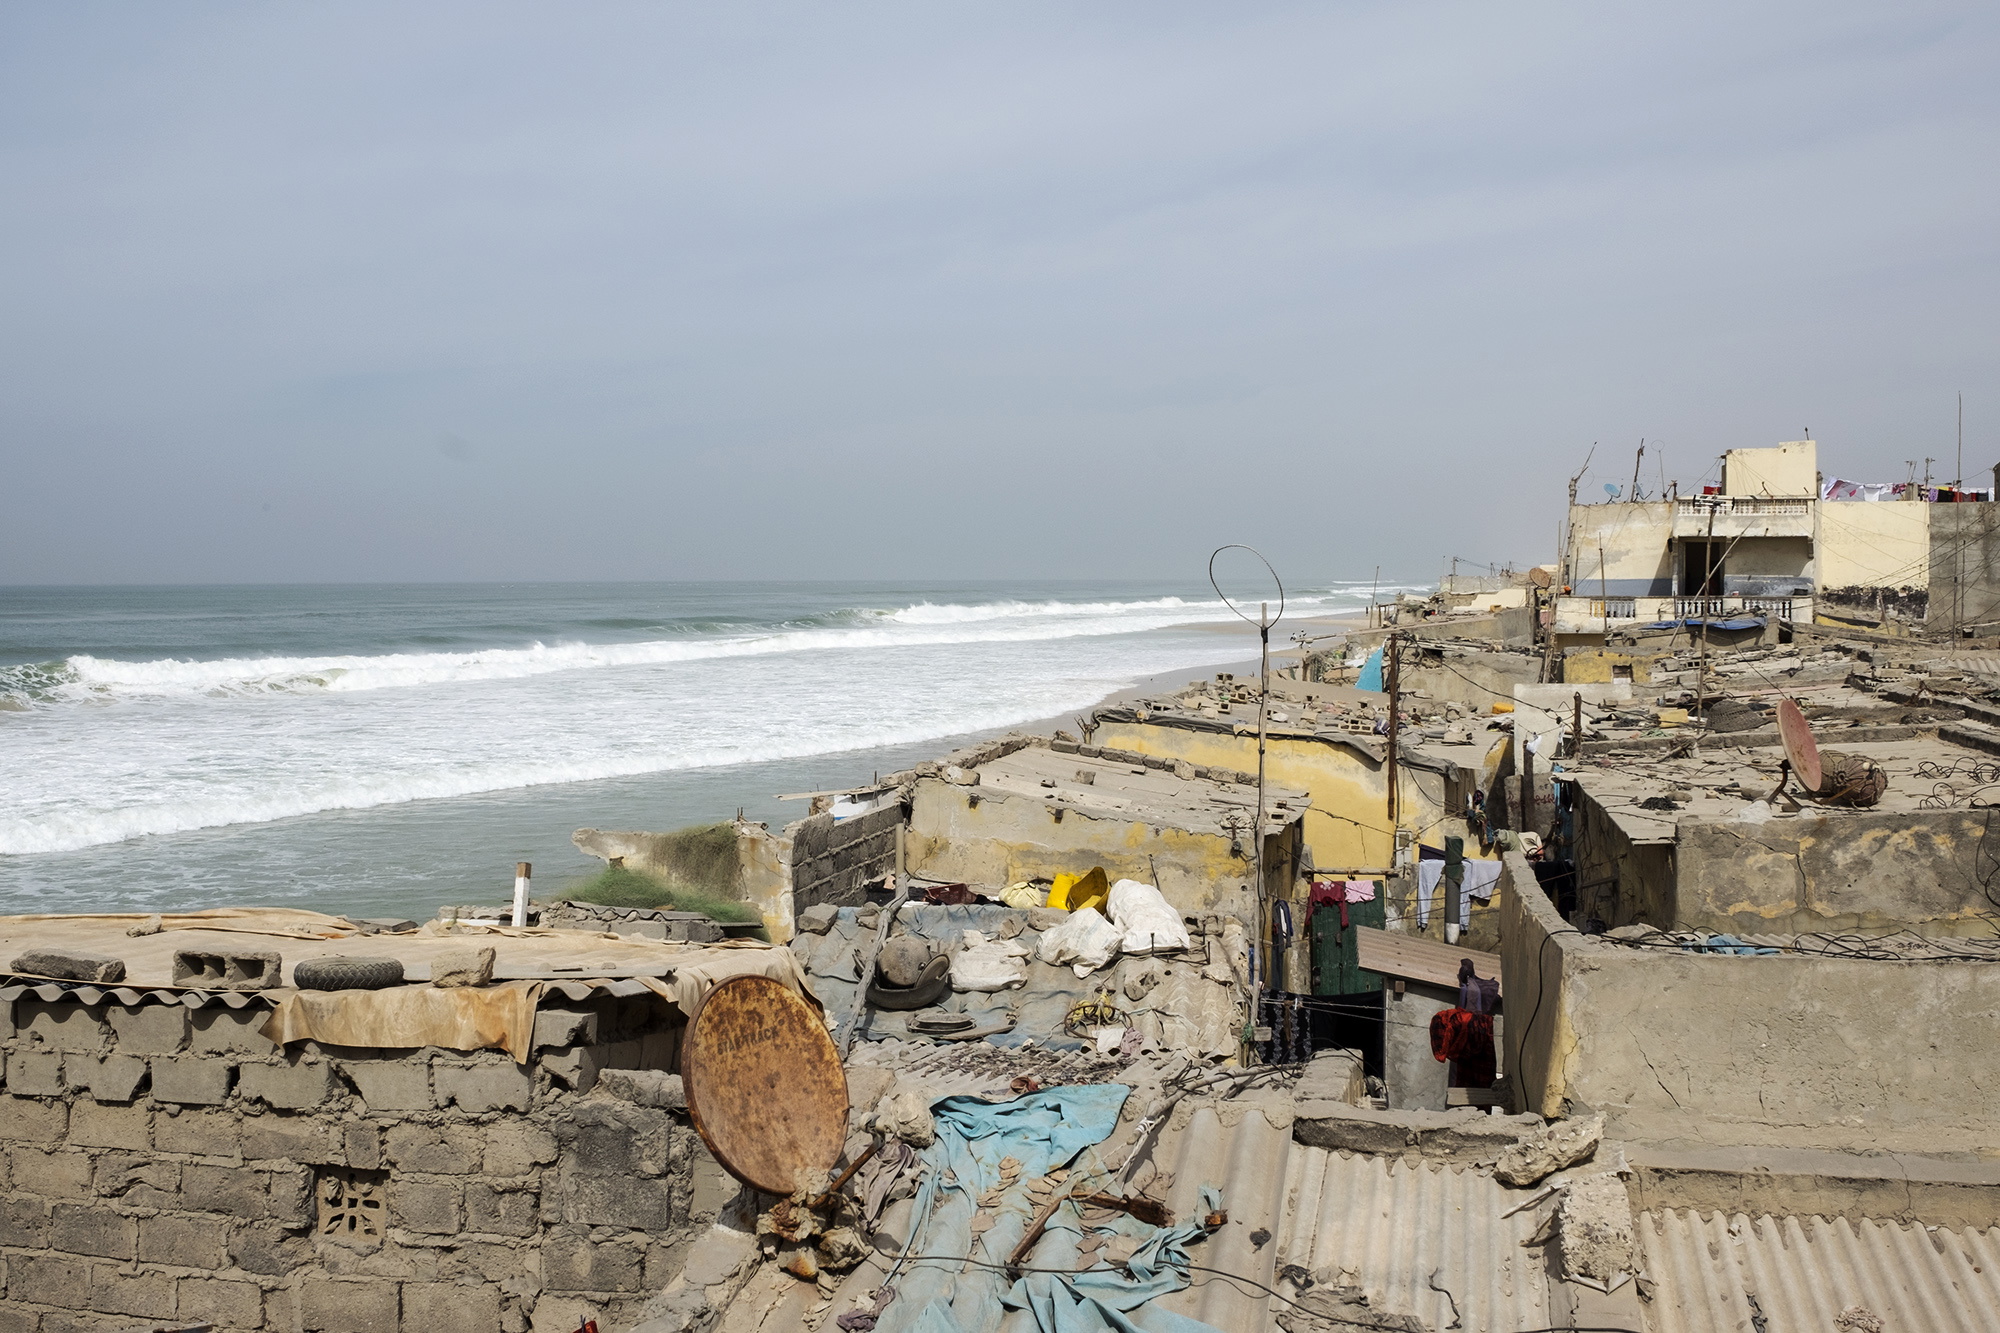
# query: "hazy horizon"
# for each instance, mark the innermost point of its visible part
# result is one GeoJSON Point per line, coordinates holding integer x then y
{"type": "Point", "coordinates": [501, 293]}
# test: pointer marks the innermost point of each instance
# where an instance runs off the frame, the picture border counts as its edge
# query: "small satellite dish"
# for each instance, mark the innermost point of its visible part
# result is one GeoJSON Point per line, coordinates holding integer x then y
{"type": "Point", "coordinates": [1611, 490]}
{"type": "Point", "coordinates": [1801, 751]}
{"type": "Point", "coordinates": [765, 1087]}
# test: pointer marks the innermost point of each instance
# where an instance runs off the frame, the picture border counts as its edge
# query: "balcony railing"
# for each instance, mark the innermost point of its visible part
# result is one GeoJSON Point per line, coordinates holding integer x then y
{"type": "Point", "coordinates": [1582, 614]}
{"type": "Point", "coordinates": [1615, 608]}
{"type": "Point", "coordinates": [1740, 504]}
{"type": "Point", "coordinates": [1777, 608]}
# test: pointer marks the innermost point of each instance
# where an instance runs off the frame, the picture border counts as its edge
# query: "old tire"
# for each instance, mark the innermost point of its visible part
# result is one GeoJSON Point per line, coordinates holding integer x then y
{"type": "Point", "coordinates": [347, 973]}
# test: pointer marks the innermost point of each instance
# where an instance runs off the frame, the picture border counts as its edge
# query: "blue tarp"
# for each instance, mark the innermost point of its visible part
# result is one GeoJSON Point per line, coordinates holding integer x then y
{"type": "Point", "coordinates": [1738, 622]}
{"type": "Point", "coordinates": [1041, 1131]}
{"type": "Point", "coordinates": [1371, 673]}
{"type": "Point", "coordinates": [1103, 1300]}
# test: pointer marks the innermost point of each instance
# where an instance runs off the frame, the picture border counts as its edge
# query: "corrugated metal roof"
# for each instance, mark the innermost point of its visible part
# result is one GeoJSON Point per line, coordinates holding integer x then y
{"type": "Point", "coordinates": [1401, 1230]}
{"type": "Point", "coordinates": [1804, 1271]}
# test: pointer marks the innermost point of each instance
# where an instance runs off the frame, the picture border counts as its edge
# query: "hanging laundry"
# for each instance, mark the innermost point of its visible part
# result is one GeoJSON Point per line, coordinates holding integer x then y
{"type": "Point", "coordinates": [1429, 875]}
{"type": "Point", "coordinates": [1476, 994]}
{"type": "Point", "coordinates": [1360, 890]}
{"type": "Point", "coordinates": [1465, 1039]}
{"type": "Point", "coordinates": [1325, 892]}
{"type": "Point", "coordinates": [1371, 673]}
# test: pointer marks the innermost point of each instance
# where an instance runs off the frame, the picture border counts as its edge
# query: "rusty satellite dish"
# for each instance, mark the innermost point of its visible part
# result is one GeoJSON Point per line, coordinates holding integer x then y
{"type": "Point", "coordinates": [765, 1086]}
{"type": "Point", "coordinates": [1801, 751]}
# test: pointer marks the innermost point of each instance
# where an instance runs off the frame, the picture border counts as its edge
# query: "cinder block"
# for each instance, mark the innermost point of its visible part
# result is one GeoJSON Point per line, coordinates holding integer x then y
{"type": "Point", "coordinates": [714, 1188]}
{"type": "Point", "coordinates": [33, 1073]}
{"type": "Point", "coordinates": [575, 1067]}
{"type": "Point", "coordinates": [200, 1133]}
{"type": "Point", "coordinates": [661, 1050]}
{"type": "Point", "coordinates": [219, 1030]}
{"type": "Point", "coordinates": [139, 1182]}
{"type": "Point", "coordinates": [617, 1138]}
{"type": "Point", "coordinates": [571, 1263]}
{"type": "Point", "coordinates": [24, 1223]}
{"type": "Point", "coordinates": [116, 1291]}
{"type": "Point", "coordinates": [483, 1087]}
{"type": "Point", "coordinates": [440, 1150]}
{"type": "Point", "coordinates": [644, 1087]}
{"type": "Point", "coordinates": [286, 1138]}
{"type": "Point", "coordinates": [490, 1210]}
{"type": "Point", "coordinates": [430, 1208]}
{"type": "Point", "coordinates": [49, 1279]}
{"type": "Point", "coordinates": [184, 1242]}
{"type": "Point", "coordinates": [63, 1025]}
{"type": "Point", "coordinates": [354, 1305]}
{"type": "Point", "coordinates": [192, 1080]}
{"type": "Point", "coordinates": [621, 1201]}
{"type": "Point", "coordinates": [363, 1144]}
{"type": "Point", "coordinates": [565, 1027]}
{"type": "Point", "coordinates": [391, 1085]}
{"type": "Point", "coordinates": [18, 1318]}
{"type": "Point", "coordinates": [234, 1191]}
{"type": "Point", "coordinates": [88, 1229]}
{"type": "Point", "coordinates": [148, 1029]}
{"type": "Point", "coordinates": [228, 969]}
{"type": "Point", "coordinates": [515, 1150]}
{"type": "Point", "coordinates": [438, 1307]}
{"type": "Point", "coordinates": [108, 1078]}
{"type": "Point", "coordinates": [292, 1086]}
{"type": "Point", "coordinates": [219, 1301]}
{"type": "Point", "coordinates": [269, 1250]}
{"type": "Point", "coordinates": [69, 965]}
{"type": "Point", "coordinates": [291, 1194]}
{"type": "Point", "coordinates": [52, 1175]}
{"type": "Point", "coordinates": [97, 1125]}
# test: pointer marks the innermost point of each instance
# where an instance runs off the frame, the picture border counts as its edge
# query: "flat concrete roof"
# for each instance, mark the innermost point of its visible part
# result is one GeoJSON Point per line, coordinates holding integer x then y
{"type": "Point", "coordinates": [1137, 791]}
{"type": "Point", "coordinates": [1712, 777]}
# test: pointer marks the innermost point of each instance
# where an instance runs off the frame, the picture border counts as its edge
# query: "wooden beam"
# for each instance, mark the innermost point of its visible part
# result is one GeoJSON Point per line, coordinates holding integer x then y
{"type": "Point", "coordinates": [1395, 954]}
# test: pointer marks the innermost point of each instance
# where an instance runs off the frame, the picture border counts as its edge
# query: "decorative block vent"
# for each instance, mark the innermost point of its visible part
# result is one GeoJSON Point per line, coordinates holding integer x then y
{"type": "Point", "coordinates": [353, 1205]}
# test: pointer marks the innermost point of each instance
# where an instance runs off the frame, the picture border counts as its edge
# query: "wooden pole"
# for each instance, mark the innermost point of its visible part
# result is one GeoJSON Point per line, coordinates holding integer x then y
{"type": "Point", "coordinates": [1263, 709]}
{"type": "Point", "coordinates": [1576, 726]}
{"type": "Point", "coordinates": [522, 870]}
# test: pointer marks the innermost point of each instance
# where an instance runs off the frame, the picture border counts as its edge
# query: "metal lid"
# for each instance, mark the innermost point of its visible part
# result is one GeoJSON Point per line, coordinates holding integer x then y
{"type": "Point", "coordinates": [1800, 748]}
{"type": "Point", "coordinates": [765, 1086]}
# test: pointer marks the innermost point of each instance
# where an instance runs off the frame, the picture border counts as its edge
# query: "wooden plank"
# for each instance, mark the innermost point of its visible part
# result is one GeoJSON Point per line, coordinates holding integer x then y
{"type": "Point", "coordinates": [1395, 954]}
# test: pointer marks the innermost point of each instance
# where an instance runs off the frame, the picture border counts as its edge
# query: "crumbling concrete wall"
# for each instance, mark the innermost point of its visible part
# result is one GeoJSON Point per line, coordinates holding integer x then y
{"type": "Point", "coordinates": [1795, 874]}
{"type": "Point", "coordinates": [1621, 549]}
{"type": "Point", "coordinates": [833, 861]}
{"type": "Point", "coordinates": [1790, 1050]}
{"type": "Point", "coordinates": [987, 837]}
{"type": "Point", "coordinates": [1964, 566]}
{"type": "Point", "coordinates": [167, 1166]}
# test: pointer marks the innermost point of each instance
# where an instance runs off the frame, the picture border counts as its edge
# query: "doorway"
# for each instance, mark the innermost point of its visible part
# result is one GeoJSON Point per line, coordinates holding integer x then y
{"type": "Point", "coordinates": [1701, 568]}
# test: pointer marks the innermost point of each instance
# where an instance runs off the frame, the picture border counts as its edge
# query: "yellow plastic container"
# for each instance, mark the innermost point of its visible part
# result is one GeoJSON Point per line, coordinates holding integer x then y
{"type": "Point", "coordinates": [1073, 893]}
{"type": "Point", "coordinates": [1503, 707]}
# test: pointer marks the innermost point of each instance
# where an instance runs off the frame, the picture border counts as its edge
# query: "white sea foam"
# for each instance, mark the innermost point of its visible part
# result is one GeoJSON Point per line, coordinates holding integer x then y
{"type": "Point", "coordinates": [174, 745]}
{"type": "Point", "coordinates": [93, 679]}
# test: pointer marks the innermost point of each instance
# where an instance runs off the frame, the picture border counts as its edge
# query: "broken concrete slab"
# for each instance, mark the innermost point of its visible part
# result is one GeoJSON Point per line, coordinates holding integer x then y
{"type": "Point", "coordinates": [818, 919]}
{"type": "Point", "coordinates": [1331, 1076]}
{"type": "Point", "coordinates": [1463, 1135]}
{"type": "Point", "coordinates": [644, 1087]}
{"type": "Point", "coordinates": [66, 966]}
{"type": "Point", "coordinates": [462, 967]}
{"type": "Point", "coordinates": [1556, 1148]}
{"type": "Point", "coordinates": [1594, 1230]}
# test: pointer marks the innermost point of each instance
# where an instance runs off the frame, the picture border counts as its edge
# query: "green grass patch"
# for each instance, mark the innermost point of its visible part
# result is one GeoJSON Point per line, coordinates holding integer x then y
{"type": "Point", "coordinates": [616, 886]}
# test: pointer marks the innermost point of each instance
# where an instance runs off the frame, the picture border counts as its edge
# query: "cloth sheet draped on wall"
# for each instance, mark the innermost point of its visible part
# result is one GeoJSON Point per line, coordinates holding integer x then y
{"type": "Point", "coordinates": [1042, 1131]}
{"type": "Point", "coordinates": [1481, 879]}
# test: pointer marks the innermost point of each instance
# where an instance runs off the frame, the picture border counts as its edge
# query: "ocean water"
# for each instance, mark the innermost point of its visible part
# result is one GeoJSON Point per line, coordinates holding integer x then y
{"type": "Point", "coordinates": [378, 750]}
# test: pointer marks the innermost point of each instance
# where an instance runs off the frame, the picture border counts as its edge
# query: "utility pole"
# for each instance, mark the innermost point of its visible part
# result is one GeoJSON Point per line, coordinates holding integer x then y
{"type": "Point", "coordinates": [1576, 727]}
{"type": "Point", "coordinates": [1391, 653]}
{"type": "Point", "coordinates": [1263, 708]}
{"type": "Point", "coordinates": [1701, 611]}
{"type": "Point", "coordinates": [1603, 592]}
{"type": "Point", "coordinates": [1635, 470]}
{"type": "Point", "coordinates": [1961, 441]}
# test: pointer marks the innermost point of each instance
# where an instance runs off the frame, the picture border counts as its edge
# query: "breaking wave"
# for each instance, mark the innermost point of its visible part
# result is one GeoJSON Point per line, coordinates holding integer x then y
{"type": "Point", "coordinates": [85, 679]}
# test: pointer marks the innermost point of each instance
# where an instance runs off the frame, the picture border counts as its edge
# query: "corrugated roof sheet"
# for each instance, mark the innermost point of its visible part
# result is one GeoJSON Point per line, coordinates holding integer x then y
{"type": "Point", "coordinates": [81, 993]}
{"type": "Point", "coordinates": [1401, 1230]}
{"type": "Point", "coordinates": [1804, 1271]}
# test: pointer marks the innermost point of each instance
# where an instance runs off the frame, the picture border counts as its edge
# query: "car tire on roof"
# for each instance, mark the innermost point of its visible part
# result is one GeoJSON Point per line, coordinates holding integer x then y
{"type": "Point", "coordinates": [347, 973]}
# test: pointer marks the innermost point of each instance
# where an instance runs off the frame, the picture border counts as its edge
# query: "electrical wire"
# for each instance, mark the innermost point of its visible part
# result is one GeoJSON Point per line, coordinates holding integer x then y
{"type": "Point", "coordinates": [1227, 1276]}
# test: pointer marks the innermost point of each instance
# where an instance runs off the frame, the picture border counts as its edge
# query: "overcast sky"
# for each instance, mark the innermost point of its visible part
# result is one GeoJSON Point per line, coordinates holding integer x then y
{"type": "Point", "coordinates": [499, 290]}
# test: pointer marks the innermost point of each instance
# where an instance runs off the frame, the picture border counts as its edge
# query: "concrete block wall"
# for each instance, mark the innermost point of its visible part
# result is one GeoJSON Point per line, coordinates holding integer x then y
{"type": "Point", "coordinates": [167, 1166]}
{"type": "Point", "coordinates": [833, 862]}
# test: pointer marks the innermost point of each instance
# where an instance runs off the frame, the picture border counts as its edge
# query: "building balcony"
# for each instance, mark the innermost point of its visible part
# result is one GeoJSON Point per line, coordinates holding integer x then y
{"type": "Point", "coordinates": [1591, 615]}
{"type": "Point", "coordinates": [1732, 516]}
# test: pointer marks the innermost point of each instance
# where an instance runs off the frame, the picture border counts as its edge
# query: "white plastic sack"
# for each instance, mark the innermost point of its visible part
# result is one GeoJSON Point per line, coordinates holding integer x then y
{"type": "Point", "coordinates": [1086, 942]}
{"type": "Point", "coordinates": [1146, 922]}
{"type": "Point", "coordinates": [987, 965]}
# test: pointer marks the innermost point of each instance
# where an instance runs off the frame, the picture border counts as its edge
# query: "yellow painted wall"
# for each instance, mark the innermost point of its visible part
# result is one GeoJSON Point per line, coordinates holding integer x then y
{"type": "Point", "coordinates": [1347, 827]}
{"type": "Point", "coordinates": [1598, 666]}
{"type": "Point", "coordinates": [1635, 543]}
{"type": "Point", "coordinates": [1873, 544]}
{"type": "Point", "coordinates": [982, 837]}
{"type": "Point", "coordinates": [1788, 471]}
